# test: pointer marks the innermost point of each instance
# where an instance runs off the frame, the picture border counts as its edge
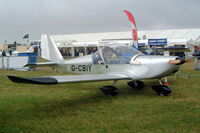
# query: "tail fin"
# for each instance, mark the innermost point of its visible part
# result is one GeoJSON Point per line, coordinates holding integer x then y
{"type": "Point", "coordinates": [49, 49]}
{"type": "Point", "coordinates": [133, 28]}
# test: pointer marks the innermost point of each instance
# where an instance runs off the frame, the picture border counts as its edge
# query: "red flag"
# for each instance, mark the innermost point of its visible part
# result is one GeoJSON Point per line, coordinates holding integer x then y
{"type": "Point", "coordinates": [133, 28]}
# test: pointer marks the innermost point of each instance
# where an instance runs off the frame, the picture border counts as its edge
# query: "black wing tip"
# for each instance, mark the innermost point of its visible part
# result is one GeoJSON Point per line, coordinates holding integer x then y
{"type": "Point", "coordinates": [33, 80]}
{"type": "Point", "coordinates": [13, 78]}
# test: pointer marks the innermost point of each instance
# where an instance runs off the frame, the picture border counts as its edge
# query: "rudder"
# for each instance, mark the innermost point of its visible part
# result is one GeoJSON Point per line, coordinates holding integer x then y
{"type": "Point", "coordinates": [49, 50]}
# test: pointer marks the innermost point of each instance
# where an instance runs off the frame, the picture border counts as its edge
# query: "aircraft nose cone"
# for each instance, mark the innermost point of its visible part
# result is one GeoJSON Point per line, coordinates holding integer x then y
{"type": "Point", "coordinates": [177, 61]}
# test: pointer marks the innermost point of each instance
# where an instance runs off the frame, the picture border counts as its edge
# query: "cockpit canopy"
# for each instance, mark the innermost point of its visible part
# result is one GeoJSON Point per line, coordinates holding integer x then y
{"type": "Point", "coordinates": [121, 54]}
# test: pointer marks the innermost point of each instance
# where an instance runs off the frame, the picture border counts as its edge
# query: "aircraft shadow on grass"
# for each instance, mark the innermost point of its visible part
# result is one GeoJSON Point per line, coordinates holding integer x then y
{"type": "Point", "coordinates": [87, 100]}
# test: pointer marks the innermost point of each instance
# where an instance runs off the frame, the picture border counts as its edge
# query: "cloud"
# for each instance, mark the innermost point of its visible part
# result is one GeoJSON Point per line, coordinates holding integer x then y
{"type": "Point", "coordinates": [19, 17]}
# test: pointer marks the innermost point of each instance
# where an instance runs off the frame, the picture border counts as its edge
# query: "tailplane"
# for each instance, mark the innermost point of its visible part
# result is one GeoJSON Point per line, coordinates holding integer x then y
{"type": "Point", "coordinates": [133, 28]}
{"type": "Point", "coordinates": [49, 49]}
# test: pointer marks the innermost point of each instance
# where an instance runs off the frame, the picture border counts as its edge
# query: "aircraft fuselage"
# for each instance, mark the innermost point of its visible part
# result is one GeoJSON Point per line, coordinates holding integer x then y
{"type": "Point", "coordinates": [146, 67]}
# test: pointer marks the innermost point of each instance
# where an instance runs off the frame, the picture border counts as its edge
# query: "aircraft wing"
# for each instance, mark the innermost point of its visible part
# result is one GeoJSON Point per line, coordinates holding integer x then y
{"type": "Point", "coordinates": [70, 78]}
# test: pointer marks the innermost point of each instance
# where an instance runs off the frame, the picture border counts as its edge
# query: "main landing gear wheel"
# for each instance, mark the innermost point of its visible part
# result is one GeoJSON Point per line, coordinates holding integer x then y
{"type": "Point", "coordinates": [138, 85]}
{"type": "Point", "coordinates": [162, 90]}
{"type": "Point", "coordinates": [109, 90]}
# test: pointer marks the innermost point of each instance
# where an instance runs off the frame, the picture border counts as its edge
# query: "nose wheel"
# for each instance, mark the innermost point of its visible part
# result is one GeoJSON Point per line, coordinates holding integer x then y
{"type": "Point", "coordinates": [162, 90]}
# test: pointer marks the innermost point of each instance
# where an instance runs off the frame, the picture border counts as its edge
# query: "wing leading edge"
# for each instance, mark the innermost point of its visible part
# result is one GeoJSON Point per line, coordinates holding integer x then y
{"type": "Point", "coordinates": [69, 78]}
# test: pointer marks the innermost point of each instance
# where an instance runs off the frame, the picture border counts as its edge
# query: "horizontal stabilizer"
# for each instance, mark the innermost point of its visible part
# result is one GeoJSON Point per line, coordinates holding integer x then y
{"type": "Point", "coordinates": [42, 64]}
{"type": "Point", "coordinates": [70, 78]}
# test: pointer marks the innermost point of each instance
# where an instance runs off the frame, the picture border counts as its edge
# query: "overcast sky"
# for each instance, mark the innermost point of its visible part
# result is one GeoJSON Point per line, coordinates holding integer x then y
{"type": "Point", "coordinates": [19, 17]}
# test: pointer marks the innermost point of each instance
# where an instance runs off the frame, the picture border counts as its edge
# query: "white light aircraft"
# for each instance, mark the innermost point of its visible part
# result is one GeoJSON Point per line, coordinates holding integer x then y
{"type": "Point", "coordinates": [115, 62]}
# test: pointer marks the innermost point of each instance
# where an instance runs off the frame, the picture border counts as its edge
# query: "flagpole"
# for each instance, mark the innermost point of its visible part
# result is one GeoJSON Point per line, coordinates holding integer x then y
{"type": "Point", "coordinates": [27, 41]}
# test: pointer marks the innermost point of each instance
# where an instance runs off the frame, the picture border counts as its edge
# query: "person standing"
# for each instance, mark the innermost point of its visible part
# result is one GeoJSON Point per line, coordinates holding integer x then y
{"type": "Point", "coordinates": [196, 55]}
{"type": "Point", "coordinates": [3, 53]}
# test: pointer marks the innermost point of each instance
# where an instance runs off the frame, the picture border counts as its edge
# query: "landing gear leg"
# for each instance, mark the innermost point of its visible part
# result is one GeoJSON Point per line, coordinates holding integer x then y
{"type": "Point", "coordinates": [161, 89]}
{"type": "Point", "coordinates": [110, 90]}
{"type": "Point", "coordinates": [138, 85]}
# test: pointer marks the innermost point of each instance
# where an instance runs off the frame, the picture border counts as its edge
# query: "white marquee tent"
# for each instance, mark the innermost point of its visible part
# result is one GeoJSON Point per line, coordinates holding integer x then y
{"type": "Point", "coordinates": [174, 36]}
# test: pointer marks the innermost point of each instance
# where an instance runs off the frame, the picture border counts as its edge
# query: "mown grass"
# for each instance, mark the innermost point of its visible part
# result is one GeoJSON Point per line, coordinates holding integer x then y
{"type": "Point", "coordinates": [81, 107]}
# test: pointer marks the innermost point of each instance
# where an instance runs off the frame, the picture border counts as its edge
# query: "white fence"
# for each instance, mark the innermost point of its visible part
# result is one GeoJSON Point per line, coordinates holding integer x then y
{"type": "Point", "coordinates": [14, 62]}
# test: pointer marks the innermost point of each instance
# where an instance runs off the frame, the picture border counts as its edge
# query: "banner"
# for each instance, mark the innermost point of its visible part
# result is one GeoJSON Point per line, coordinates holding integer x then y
{"type": "Point", "coordinates": [157, 42]}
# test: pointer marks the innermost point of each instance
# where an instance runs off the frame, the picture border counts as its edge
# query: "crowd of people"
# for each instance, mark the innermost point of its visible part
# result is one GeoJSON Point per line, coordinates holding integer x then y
{"type": "Point", "coordinates": [78, 51]}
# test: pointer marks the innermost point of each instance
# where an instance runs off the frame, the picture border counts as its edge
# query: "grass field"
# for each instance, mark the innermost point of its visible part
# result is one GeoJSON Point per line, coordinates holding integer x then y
{"type": "Point", "coordinates": [82, 107]}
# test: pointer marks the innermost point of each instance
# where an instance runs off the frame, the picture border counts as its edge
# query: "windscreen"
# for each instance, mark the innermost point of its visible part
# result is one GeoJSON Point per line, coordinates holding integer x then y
{"type": "Point", "coordinates": [115, 55]}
